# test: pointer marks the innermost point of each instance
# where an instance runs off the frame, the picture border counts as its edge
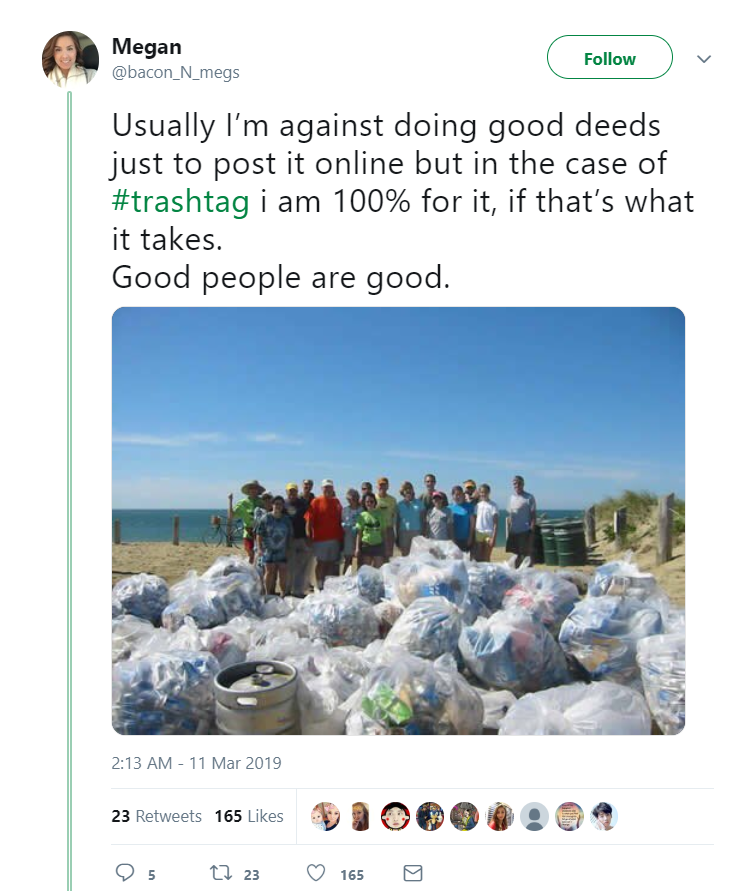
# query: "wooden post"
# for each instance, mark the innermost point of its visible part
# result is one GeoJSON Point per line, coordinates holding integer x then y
{"type": "Point", "coordinates": [116, 532]}
{"type": "Point", "coordinates": [229, 517]}
{"type": "Point", "coordinates": [176, 530]}
{"type": "Point", "coordinates": [590, 525]}
{"type": "Point", "coordinates": [664, 522]}
{"type": "Point", "coordinates": [620, 522]}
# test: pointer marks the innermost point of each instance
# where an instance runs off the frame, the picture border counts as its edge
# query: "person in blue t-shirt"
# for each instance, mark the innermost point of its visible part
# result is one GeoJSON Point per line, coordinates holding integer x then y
{"type": "Point", "coordinates": [411, 517]}
{"type": "Point", "coordinates": [463, 519]}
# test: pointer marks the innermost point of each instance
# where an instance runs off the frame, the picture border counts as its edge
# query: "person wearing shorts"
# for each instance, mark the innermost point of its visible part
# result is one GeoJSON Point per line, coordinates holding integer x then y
{"type": "Point", "coordinates": [522, 509]}
{"type": "Point", "coordinates": [388, 505]}
{"type": "Point", "coordinates": [273, 534]}
{"type": "Point", "coordinates": [245, 511]}
{"type": "Point", "coordinates": [324, 528]}
{"type": "Point", "coordinates": [351, 511]}
{"type": "Point", "coordinates": [411, 518]}
{"type": "Point", "coordinates": [487, 523]}
{"type": "Point", "coordinates": [370, 533]}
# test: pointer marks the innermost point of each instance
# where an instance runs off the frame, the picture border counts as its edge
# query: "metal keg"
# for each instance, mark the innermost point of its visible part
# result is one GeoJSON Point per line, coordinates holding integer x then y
{"type": "Point", "coordinates": [257, 698]}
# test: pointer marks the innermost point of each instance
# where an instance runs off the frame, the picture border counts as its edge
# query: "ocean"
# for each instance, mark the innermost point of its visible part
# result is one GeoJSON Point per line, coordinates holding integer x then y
{"type": "Point", "coordinates": [157, 525]}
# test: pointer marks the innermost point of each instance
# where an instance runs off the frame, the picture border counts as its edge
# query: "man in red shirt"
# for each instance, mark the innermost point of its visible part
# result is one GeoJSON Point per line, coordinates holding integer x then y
{"type": "Point", "coordinates": [324, 528]}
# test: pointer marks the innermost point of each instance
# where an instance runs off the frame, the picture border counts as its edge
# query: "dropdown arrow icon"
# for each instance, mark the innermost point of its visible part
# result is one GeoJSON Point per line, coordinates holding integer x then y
{"type": "Point", "coordinates": [706, 59]}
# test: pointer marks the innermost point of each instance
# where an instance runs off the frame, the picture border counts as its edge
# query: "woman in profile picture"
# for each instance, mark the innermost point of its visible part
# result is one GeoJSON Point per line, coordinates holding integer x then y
{"type": "Point", "coordinates": [499, 819]}
{"type": "Point", "coordinates": [63, 62]}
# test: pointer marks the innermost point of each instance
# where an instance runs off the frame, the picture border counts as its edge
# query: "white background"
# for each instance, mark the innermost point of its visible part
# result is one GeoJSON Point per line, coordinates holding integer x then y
{"type": "Point", "coordinates": [483, 60]}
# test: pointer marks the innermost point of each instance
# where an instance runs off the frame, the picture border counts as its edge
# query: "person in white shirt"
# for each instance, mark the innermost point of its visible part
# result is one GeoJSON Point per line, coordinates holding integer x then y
{"type": "Point", "coordinates": [522, 522]}
{"type": "Point", "coordinates": [63, 62]}
{"type": "Point", "coordinates": [487, 523]}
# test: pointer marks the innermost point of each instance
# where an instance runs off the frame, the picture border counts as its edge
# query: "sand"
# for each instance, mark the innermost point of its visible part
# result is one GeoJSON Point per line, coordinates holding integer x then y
{"type": "Point", "coordinates": [172, 562]}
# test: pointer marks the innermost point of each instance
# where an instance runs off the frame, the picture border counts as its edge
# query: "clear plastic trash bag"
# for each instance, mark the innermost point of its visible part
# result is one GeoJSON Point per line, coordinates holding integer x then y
{"type": "Point", "coordinates": [387, 613]}
{"type": "Point", "coordinates": [340, 619]}
{"type": "Point", "coordinates": [491, 581]}
{"type": "Point", "coordinates": [602, 634]}
{"type": "Point", "coordinates": [439, 550]}
{"type": "Point", "coordinates": [165, 693]}
{"type": "Point", "coordinates": [142, 595]}
{"type": "Point", "coordinates": [512, 650]}
{"type": "Point", "coordinates": [429, 627]}
{"type": "Point", "coordinates": [127, 632]}
{"type": "Point", "coordinates": [370, 584]}
{"type": "Point", "coordinates": [227, 643]}
{"type": "Point", "coordinates": [433, 578]}
{"type": "Point", "coordinates": [193, 597]}
{"type": "Point", "coordinates": [496, 703]}
{"type": "Point", "coordinates": [404, 694]}
{"type": "Point", "coordinates": [238, 594]}
{"type": "Point", "coordinates": [600, 709]}
{"type": "Point", "coordinates": [545, 595]}
{"type": "Point", "coordinates": [231, 565]}
{"type": "Point", "coordinates": [389, 572]}
{"type": "Point", "coordinates": [662, 663]}
{"type": "Point", "coordinates": [623, 578]}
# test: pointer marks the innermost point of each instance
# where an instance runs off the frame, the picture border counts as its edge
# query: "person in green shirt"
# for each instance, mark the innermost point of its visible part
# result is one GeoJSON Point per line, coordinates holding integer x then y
{"type": "Point", "coordinates": [388, 506]}
{"type": "Point", "coordinates": [370, 533]}
{"type": "Point", "coordinates": [245, 510]}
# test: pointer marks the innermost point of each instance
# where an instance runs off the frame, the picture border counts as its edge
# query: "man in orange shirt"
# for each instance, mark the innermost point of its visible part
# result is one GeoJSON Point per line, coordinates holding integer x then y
{"type": "Point", "coordinates": [324, 528]}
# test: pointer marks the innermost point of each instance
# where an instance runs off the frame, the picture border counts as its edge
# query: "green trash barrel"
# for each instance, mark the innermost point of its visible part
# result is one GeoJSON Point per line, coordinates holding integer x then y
{"type": "Point", "coordinates": [549, 545]}
{"type": "Point", "coordinates": [570, 542]}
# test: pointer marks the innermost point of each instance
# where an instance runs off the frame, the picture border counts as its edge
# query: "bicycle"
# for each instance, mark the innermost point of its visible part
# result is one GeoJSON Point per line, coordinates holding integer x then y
{"type": "Point", "coordinates": [220, 536]}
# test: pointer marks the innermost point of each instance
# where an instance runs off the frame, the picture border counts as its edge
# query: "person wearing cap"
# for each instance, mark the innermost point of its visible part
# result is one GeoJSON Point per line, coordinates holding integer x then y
{"type": "Point", "coordinates": [245, 510]}
{"type": "Point", "coordinates": [299, 556]}
{"type": "Point", "coordinates": [351, 511]}
{"type": "Point", "coordinates": [307, 491]}
{"type": "Point", "coordinates": [522, 509]}
{"type": "Point", "coordinates": [439, 519]}
{"type": "Point", "coordinates": [470, 493]}
{"type": "Point", "coordinates": [388, 505]}
{"type": "Point", "coordinates": [427, 498]}
{"type": "Point", "coordinates": [463, 519]}
{"type": "Point", "coordinates": [411, 518]}
{"type": "Point", "coordinates": [324, 528]}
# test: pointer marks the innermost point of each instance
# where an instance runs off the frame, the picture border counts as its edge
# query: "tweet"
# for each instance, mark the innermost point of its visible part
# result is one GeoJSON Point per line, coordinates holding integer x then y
{"type": "Point", "coordinates": [388, 331]}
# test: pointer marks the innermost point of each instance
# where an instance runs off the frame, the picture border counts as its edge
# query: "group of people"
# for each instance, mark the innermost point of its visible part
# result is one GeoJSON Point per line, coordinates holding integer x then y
{"type": "Point", "coordinates": [288, 535]}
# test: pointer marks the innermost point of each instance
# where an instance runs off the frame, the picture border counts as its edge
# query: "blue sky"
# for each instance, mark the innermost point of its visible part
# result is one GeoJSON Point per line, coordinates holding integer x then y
{"type": "Point", "coordinates": [582, 402]}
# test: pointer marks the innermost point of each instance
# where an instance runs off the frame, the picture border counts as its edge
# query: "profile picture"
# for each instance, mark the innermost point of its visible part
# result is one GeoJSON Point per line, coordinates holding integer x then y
{"type": "Point", "coordinates": [603, 816]}
{"type": "Point", "coordinates": [360, 813]}
{"type": "Point", "coordinates": [395, 816]}
{"type": "Point", "coordinates": [534, 816]}
{"type": "Point", "coordinates": [430, 816]}
{"type": "Point", "coordinates": [464, 816]}
{"type": "Point", "coordinates": [70, 60]}
{"type": "Point", "coordinates": [499, 816]}
{"type": "Point", "coordinates": [325, 816]}
{"type": "Point", "coordinates": [569, 816]}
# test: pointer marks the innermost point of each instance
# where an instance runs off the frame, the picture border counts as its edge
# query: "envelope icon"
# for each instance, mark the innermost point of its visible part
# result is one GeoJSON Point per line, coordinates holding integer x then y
{"type": "Point", "coordinates": [413, 873]}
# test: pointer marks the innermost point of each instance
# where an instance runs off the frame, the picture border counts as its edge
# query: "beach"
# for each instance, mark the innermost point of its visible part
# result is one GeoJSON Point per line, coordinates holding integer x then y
{"type": "Point", "coordinates": [172, 562]}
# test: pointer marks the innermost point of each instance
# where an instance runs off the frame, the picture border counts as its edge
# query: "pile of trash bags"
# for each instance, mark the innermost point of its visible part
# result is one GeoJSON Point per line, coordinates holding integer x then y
{"type": "Point", "coordinates": [431, 643]}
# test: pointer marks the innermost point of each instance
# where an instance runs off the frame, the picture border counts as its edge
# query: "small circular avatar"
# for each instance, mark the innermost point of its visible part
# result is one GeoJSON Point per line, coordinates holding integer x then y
{"type": "Point", "coordinates": [534, 816]}
{"type": "Point", "coordinates": [569, 816]}
{"type": "Point", "coordinates": [430, 816]}
{"type": "Point", "coordinates": [499, 816]}
{"type": "Point", "coordinates": [360, 815]}
{"type": "Point", "coordinates": [464, 816]}
{"type": "Point", "coordinates": [325, 815]}
{"type": "Point", "coordinates": [395, 816]}
{"type": "Point", "coordinates": [70, 60]}
{"type": "Point", "coordinates": [603, 816]}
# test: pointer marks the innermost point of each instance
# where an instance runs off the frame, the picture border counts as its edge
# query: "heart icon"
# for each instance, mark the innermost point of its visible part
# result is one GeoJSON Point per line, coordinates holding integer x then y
{"type": "Point", "coordinates": [315, 871]}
